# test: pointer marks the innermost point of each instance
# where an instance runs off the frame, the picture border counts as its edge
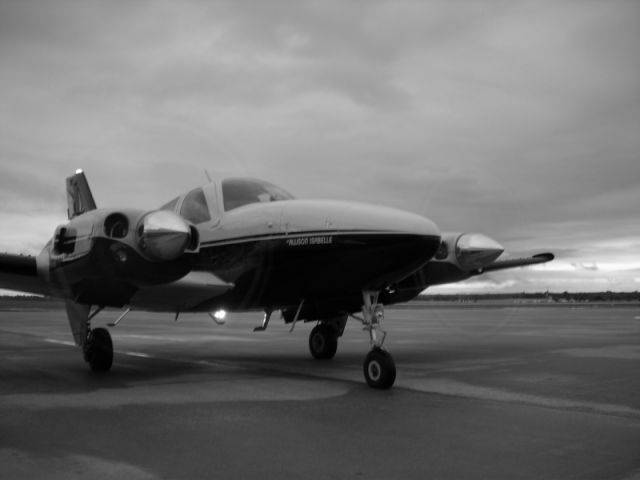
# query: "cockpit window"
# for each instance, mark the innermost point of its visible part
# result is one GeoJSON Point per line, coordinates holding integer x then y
{"type": "Point", "coordinates": [194, 207]}
{"type": "Point", "coordinates": [237, 192]}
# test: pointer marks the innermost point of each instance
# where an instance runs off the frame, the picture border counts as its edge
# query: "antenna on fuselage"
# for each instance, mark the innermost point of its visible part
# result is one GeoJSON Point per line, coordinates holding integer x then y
{"type": "Point", "coordinates": [208, 176]}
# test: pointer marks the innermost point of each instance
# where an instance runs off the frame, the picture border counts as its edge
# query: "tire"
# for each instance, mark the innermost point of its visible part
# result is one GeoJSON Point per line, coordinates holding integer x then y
{"type": "Point", "coordinates": [379, 369]}
{"type": "Point", "coordinates": [99, 352]}
{"type": "Point", "coordinates": [323, 342]}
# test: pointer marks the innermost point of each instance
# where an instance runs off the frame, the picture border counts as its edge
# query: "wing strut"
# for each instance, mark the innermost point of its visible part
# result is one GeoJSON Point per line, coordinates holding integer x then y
{"type": "Point", "coordinates": [124, 314]}
{"type": "Point", "coordinates": [295, 319]}
{"type": "Point", "coordinates": [265, 321]}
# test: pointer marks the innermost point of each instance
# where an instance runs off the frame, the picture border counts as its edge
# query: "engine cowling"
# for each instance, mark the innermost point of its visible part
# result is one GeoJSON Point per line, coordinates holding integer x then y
{"type": "Point", "coordinates": [164, 235]}
{"type": "Point", "coordinates": [469, 251]}
{"type": "Point", "coordinates": [103, 256]}
{"type": "Point", "coordinates": [475, 251]}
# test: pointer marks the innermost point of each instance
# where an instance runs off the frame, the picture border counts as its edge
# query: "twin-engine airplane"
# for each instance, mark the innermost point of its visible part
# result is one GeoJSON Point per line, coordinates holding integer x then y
{"type": "Point", "coordinates": [245, 244]}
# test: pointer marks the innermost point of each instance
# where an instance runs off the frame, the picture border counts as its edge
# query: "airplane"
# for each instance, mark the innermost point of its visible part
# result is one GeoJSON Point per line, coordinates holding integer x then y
{"type": "Point", "coordinates": [244, 244]}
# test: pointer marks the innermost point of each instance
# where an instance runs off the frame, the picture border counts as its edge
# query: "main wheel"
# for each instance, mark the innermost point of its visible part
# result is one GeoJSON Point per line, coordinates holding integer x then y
{"type": "Point", "coordinates": [323, 342]}
{"type": "Point", "coordinates": [379, 369]}
{"type": "Point", "coordinates": [99, 350]}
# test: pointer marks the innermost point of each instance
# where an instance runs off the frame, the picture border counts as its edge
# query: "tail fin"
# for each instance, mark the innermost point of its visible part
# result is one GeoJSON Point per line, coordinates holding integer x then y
{"type": "Point", "coordinates": [79, 197]}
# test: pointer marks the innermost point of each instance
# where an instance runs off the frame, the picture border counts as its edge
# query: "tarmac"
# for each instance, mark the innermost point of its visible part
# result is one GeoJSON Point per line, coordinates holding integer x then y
{"type": "Point", "coordinates": [503, 392]}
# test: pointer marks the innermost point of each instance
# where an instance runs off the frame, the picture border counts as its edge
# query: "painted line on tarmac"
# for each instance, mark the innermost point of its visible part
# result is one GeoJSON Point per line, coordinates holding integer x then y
{"type": "Point", "coordinates": [137, 354]}
{"type": "Point", "coordinates": [72, 344]}
{"type": "Point", "coordinates": [185, 338]}
{"type": "Point", "coordinates": [466, 390]}
{"type": "Point", "coordinates": [226, 364]}
{"type": "Point", "coordinates": [60, 342]}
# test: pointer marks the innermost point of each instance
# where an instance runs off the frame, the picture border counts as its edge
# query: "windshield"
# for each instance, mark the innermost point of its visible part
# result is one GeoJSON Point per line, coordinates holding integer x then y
{"type": "Point", "coordinates": [237, 192]}
{"type": "Point", "coordinates": [194, 207]}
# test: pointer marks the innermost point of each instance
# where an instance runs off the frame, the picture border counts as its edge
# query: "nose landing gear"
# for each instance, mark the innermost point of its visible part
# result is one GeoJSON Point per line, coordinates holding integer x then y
{"type": "Point", "coordinates": [378, 367]}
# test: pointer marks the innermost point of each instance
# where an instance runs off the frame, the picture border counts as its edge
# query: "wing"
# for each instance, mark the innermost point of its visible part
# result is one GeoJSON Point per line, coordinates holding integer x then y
{"type": "Point", "coordinates": [438, 272]}
{"type": "Point", "coordinates": [20, 273]}
{"type": "Point", "coordinates": [518, 262]}
{"type": "Point", "coordinates": [184, 294]}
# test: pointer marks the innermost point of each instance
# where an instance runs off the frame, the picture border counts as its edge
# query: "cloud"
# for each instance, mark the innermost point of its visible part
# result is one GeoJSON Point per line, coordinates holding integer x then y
{"type": "Point", "coordinates": [590, 267]}
{"type": "Point", "coordinates": [517, 120]}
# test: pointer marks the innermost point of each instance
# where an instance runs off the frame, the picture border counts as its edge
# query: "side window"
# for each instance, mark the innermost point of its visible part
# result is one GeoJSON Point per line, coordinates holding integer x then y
{"type": "Point", "coordinates": [238, 192]}
{"type": "Point", "coordinates": [194, 207]}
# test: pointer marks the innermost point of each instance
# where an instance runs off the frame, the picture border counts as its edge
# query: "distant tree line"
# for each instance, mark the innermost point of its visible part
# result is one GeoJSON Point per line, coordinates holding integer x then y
{"type": "Point", "coordinates": [607, 296]}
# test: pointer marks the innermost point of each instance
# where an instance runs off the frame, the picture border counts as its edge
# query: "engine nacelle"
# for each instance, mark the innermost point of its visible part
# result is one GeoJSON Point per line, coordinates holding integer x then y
{"type": "Point", "coordinates": [459, 257]}
{"type": "Point", "coordinates": [164, 235]}
{"type": "Point", "coordinates": [105, 255]}
{"type": "Point", "coordinates": [469, 251]}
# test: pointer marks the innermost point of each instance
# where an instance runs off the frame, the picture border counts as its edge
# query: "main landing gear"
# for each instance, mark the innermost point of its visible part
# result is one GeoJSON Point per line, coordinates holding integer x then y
{"type": "Point", "coordinates": [379, 368]}
{"type": "Point", "coordinates": [96, 343]}
{"type": "Point", "coordinates": [98, 349]}
{"type": "Point", "coordinates": [323, 341]}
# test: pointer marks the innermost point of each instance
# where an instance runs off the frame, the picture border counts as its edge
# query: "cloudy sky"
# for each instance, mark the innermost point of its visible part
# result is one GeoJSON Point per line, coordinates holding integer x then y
{"type": "Point", "coordinates": [520, 120]}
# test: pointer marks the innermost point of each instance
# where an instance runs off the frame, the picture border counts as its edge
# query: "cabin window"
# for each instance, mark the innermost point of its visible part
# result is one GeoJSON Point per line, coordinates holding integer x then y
{"type": "Point", "coordinates": [194, 207]}
{"type": "Point", "coordinates": [238, 192]}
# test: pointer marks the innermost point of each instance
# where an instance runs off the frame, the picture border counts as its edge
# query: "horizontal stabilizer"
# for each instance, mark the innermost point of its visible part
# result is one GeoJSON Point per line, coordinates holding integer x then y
{"type": "Point", "coordinates": [519, 262]}
{"type": "Point", "coordinates": [79, 197]}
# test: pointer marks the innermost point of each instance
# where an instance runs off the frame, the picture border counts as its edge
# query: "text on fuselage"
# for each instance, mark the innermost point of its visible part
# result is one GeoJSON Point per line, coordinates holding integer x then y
{"type": "Point", "coordinates": [304, 241]}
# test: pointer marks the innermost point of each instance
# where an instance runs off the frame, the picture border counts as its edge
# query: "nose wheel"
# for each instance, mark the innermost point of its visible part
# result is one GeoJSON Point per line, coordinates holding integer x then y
{"type": "Point", "coordinates": [378, 367]}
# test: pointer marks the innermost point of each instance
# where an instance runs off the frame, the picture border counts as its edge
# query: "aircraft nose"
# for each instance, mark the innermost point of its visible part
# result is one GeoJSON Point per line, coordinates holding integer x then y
{"type": "Point", "coordinates": [426, 233]}
{"type": "Point", "coordinates": [401, 221]}
{"type": "Point", "coordinates": [409, 241]}
{"type": "Point", "coordinates": [422, 236]}
{"type": "Point", "coordinates": [369, 246]}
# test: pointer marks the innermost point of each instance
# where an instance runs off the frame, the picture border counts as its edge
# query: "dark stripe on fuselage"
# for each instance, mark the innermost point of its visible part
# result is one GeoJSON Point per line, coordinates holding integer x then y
{"type": "Point", "coordinates": [273, 270]}
{"type": "Point", "coordinates": [288, 235]}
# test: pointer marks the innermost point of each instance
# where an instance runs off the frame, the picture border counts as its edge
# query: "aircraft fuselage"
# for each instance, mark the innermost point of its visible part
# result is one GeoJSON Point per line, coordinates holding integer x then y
{"type": "Point", "coordinates": [279, 253]}
{"type": "Point", "coordinates": [272, 255]}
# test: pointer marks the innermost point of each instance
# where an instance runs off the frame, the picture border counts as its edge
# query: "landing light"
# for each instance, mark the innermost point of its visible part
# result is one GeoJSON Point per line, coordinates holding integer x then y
{"type": "Point", "coordinates": [121, 256]}
{"type": "Point", "coordinates": [78, 171]}
{"type": "Point", "coordinates": [220, 314]}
